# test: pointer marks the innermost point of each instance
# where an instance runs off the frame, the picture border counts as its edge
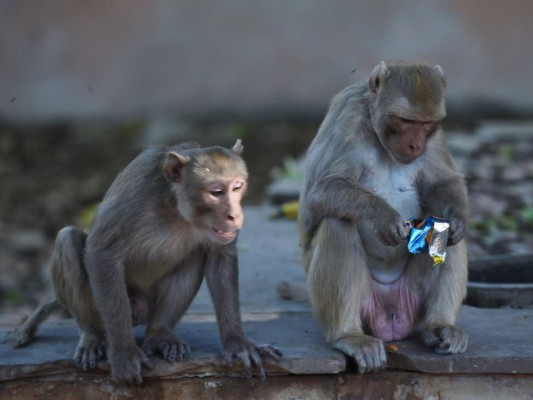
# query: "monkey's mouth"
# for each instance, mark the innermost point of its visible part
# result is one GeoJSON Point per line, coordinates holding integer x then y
{"type": "Point", "coordinates": [403, 159]}
{"type": "Point", "coordinates": [223, 236]}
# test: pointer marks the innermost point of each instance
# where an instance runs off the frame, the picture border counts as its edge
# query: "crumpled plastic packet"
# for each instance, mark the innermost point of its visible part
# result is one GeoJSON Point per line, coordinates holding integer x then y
{"type": "Point", "coordinates": [429, 235]}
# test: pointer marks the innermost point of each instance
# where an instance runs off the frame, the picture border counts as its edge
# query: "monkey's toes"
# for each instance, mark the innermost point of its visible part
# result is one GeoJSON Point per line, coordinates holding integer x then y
{"type": "Point", "coordinates": [367, 351]}
{"type": "Point", "coordinates": [446, 339]}
{"type": "Point", "coordinates": [88, 355]}
{"type": "Point", "coordinates": [173, 349]}
{"type": "Point", "coordinates": [91, 349]}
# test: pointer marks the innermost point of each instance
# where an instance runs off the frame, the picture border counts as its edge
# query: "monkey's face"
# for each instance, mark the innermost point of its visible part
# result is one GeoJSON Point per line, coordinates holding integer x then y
{"type": "Point", "coordinates": [405, 139]}
{"type": "Point", "coordinates": [406, 106]}
{"type": "Point", "coordinates": [218, 211]}
{"type": "Point", "coordinates": [209, 184]}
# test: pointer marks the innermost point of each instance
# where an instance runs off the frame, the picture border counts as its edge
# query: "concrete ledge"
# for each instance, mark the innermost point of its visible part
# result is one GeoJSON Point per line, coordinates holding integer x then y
{"type": "Point", "coordinates": [297, 335]}
{"type": "Point", "coordinates": [497, 365]}
{"type": "Point", "coordinates": [498, 345]}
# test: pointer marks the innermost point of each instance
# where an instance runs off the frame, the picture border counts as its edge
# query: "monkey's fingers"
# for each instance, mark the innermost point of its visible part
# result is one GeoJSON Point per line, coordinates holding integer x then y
{"type": "Point", "coordinates": [256, 360]}
{"type": "Point", "coordinates": [245, 356]}
{"type": "Point", "coordinates": [176, 351]}
{"type": "Point", "coordinates": [228, 358]}
{"type": "Point", "coordinates": [170, 352]}
{"type": "Point", "coordinates": [248, 358]}
{"type": "Point", "coordinates": [367, 351]}
{"type": "Point", "coordinates": [133, 379]}
{"type": "Point", "coordinates": [269, 351]}
{"type": "Point", "coordinates": [446, 339]}
{"type": "Point", "coordinates": [145, 360]}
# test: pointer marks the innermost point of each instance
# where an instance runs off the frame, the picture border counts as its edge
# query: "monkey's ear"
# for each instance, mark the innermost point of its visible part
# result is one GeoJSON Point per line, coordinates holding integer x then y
{"type": "Point", "coordinates": [439, 70]}
{"type": "Point", "coordinates": [238, 147]}
{"type": "Point", "coordinates": [377, 77]}
{"type": "Point", "coordinates": [173, 166]}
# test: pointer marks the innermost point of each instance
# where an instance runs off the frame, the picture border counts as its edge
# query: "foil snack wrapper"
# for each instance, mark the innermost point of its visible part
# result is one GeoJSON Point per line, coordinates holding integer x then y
{"type": "Point", "coordinates": [429, 235]}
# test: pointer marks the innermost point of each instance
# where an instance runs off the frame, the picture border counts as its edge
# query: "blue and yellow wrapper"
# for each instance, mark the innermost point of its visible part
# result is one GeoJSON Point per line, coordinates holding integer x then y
{"type": "Point", "coordinates": [429, 235]}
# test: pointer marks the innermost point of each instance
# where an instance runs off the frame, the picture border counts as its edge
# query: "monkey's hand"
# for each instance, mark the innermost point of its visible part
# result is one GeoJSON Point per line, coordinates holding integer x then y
{"type": "Point", "coordinates": [126, 362]}
{"type": "Point", "coordinates": [391, 229]}
{"type": "Point", "coordinates": [367, 351]}
{"type": "Point", "coordinates": [445, 339]}
{"type": "Point", "coordinates": [239, 347]}
{"type": "Point", "coordinates": [458, 229]}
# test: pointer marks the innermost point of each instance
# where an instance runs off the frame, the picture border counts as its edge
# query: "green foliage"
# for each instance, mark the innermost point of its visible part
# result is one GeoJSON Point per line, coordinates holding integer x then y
{"type": "Point", "coordinates": [13, 296]}
{"type": "Point", "coordinates": [526, 215]}
{"type": "Point", "coordinates": [506, 151]}
{"type": "Point", "coordinates": [290, 170]}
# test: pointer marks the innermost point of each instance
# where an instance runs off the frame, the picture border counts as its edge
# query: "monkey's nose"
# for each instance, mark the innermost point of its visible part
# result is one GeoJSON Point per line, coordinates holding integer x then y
{"type": "Point", "coordinates": [233, 216]}
{"type": "Point", "coordinates": [416, 149]}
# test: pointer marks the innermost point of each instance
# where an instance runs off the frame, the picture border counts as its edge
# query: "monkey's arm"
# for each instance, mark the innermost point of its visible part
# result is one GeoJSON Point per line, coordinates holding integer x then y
{"type": "Point", "coordinates": [448, 199]}
{"type": "Point", "coordinates": [109, 290]}
{"type": "Point", "coordinates": [342, 197]}
{"type": "Point", "coordinates": [222, 280]}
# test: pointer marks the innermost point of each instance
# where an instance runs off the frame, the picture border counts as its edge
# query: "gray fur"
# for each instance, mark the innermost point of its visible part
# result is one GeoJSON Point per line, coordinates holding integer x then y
{"type": "Point", "coordinates": [155, 235]}
{"type": "Point", "coordinates": [355, 198]}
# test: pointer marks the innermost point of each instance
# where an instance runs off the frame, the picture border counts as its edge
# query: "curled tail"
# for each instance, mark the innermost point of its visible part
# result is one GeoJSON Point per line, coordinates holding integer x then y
{"type": "Point", "coordinates": [24, 334]}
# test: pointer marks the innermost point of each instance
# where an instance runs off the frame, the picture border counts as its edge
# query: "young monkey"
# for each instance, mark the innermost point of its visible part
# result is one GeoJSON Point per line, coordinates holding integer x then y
{"type": "Point", "coordinates": [380, 157]}
{"type": "Point", "coordinates": [170, 218]}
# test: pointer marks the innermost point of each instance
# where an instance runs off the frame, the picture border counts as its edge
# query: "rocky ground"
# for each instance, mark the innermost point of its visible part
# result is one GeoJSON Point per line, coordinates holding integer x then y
{"type": "Point", "coordinates": [54, 177]}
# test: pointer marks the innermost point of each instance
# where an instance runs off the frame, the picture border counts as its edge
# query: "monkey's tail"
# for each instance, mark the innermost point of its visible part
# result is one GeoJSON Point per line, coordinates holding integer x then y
{"type": "Point", "coordinates": [25, 333]}
{"type": "Point", "coordinates": [293, 291]}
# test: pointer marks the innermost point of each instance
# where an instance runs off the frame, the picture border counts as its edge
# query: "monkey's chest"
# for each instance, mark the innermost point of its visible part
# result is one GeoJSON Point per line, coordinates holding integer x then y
{"type": "Point", "coordinates": [163, 255]}
{"type": "Point", "coordinates": [397, 186]}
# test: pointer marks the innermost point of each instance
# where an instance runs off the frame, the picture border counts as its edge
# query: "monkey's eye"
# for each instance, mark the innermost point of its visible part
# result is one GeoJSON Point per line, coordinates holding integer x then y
{"type": "Point", "coordinates": [238, 186]}
{"type": "Point", "coordinates": [407, 121]}
{"type": "Point", "coordinates": [216, 192]}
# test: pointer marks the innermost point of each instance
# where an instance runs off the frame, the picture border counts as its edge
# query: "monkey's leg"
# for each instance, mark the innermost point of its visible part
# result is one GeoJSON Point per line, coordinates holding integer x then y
{"type": "Point", "coordinates": [174, 293]}
{"type": "Point", "coordinates": [446, 289]}
{"type": "Point", "coordinates": [74, 293]}
{"type": "Point", "coordinates": [339, 286]}
{"type": "Point", "coordinates": [24, 334]}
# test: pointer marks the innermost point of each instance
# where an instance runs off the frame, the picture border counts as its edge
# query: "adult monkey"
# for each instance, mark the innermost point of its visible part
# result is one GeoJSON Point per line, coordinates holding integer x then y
{"type": "Point", "coordinates": [171, 217]}
{"type": "Point", "coordinates": [380, 157]}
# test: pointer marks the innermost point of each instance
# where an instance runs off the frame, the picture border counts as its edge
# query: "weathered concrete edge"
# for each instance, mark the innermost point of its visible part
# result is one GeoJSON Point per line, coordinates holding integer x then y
{"type": "Point", "coordinates": [459, 364]}
{"type": "Point", "coordinates": [209, 367]}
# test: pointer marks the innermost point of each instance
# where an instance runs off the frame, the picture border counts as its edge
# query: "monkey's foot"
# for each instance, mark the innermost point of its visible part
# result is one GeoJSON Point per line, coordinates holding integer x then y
{"type": "Point", "coordinates": [126, 362]}
{"type": "Point", "coordinates": [91, 348]}
{"type": "Point", "coordinates": [238, 347]}
{"type": "Point", "coordinates": [367, 351]}
{"type": "Point", "coordinates": [445, 339]}
{"type": "Point", "coordinates": [169, 346]}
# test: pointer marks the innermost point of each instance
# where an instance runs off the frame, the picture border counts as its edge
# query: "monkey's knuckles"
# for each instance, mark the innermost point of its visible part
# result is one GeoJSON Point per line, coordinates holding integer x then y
{"type": "Point", "coordinates": [394, 235]}
{"type": "Point", "coordinates": [126, 365]}
{"type": "Point", "coordinates": [446, 339]}
{"type": "Point", "coordinates": [171, 349]}
{"type": "Point", "coordinates": [458, 230]}
{"type": "Point", "coordinates": [250, 355]}
{"type": "Point", "coordinates": [367, 351]}
{"type": "Point", "coordinates": [89, 352]}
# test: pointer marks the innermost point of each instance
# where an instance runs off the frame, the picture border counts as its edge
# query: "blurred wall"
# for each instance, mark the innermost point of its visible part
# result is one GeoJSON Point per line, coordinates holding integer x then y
{"type": "Point", "coordinates": [97, 58]}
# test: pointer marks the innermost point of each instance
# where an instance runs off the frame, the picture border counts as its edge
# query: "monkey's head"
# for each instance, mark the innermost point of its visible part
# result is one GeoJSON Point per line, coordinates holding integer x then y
{"type": "Point", "coordinates": [406, 107]}
{"type": "Point", "coordinates": [209, 184]}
